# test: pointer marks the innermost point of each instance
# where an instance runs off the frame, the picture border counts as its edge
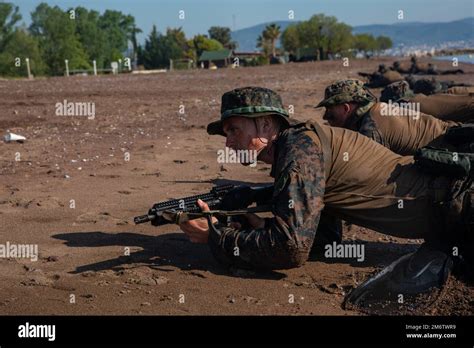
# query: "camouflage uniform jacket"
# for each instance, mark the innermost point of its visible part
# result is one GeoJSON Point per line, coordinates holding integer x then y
{"type": "Point", "coordinates": [287, 238]}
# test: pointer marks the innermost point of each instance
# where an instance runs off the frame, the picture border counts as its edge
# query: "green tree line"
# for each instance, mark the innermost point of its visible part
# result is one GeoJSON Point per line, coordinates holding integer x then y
{"type": "Point", "coordinates": [324, 35]}
{"type": "Point", "coordinates": [77, 34]}
{"type": "Point", "coordinates": [160, 48]}
{"type": "Point", "coordinates": [81, 36]}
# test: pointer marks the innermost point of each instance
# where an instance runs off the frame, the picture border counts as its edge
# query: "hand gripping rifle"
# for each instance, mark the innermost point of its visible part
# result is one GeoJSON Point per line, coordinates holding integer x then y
{"type": "Point", "coordinates": [224, 201]}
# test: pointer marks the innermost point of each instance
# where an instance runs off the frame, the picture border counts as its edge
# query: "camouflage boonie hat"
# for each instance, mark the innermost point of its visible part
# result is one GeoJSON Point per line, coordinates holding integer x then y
{"type": "Point", "coordinates": [345, 91]}
{"type": "Point", "coordinates": [249, 102]}
{"type": "Point", "coordinates": [396, 91]}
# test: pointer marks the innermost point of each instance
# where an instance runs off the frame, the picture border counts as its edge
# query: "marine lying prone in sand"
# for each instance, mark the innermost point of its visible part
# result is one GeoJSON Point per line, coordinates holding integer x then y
{"type": "Point", "coordinates": [323, 174]}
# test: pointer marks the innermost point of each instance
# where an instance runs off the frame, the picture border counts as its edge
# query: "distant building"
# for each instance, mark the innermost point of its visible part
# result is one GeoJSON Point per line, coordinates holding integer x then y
{"type": "Point", "coordinates": [216, 59]}
{"type": "Point", "coordinates": [248, 58]}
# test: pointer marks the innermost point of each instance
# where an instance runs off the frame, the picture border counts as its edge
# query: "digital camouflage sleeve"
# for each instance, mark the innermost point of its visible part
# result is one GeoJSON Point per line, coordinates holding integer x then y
{"type": "Point", "coordinates": [287, 238]}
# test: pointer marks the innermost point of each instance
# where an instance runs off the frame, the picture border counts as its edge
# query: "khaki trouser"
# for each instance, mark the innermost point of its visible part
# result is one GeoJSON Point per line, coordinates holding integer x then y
{"type": "Point", "coordinates": [459, 108]}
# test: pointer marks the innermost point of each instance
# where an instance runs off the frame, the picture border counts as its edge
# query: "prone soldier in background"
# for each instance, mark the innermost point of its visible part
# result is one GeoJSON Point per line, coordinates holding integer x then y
{"type": "Point", "coordinates": [448, 107]}
{"type": "Point", "coordinates": [403, 130]}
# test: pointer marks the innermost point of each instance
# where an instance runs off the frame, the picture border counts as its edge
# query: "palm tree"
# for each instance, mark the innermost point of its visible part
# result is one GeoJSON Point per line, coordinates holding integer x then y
{"type": "Point", "coordinates": [272, 33]}
{"type": "Point", "coordinates": [264, 44]}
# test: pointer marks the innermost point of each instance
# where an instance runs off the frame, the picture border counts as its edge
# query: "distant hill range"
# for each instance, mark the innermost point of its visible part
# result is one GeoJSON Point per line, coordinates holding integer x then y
{"type": "Point", "coordinates": [404, 33]}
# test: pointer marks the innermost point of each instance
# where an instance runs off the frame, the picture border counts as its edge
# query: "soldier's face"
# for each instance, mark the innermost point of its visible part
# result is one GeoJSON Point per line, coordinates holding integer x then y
{"type": "Point", "coordinates": [241, 134]}
{"type": "Point", "coordinates": [337, 115]}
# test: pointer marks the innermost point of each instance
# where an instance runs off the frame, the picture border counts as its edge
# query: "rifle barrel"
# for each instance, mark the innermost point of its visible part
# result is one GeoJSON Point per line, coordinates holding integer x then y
{"type": "Point", "coordinates": [142, 219]}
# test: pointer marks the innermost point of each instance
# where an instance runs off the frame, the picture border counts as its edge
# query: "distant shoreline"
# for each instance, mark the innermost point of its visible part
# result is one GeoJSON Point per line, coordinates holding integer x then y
{"type": "Point", "coordinates": [462, 58]}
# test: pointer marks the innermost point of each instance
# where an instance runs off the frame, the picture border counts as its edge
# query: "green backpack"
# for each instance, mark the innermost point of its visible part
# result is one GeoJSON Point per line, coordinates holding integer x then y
{"type": "Point", "coordinates": [458, 208]}
{"type": "Point", "coordinates": [452, 164]}
{"type": "Point", "coordinates": [443, 162]}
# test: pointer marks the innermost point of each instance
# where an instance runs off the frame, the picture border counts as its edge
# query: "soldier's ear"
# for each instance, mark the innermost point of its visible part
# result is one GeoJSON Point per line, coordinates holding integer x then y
{"type": "Point", "coordinates": [347, 108]}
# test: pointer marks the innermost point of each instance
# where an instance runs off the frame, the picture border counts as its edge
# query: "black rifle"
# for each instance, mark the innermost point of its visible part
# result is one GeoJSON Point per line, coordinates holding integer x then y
{"type": "Point", "coordinates": [223, 201]}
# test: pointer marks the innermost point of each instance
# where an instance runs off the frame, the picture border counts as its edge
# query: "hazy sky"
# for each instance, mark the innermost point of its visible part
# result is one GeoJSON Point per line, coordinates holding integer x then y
{"type": "Point", "coordinates": [238, 14]}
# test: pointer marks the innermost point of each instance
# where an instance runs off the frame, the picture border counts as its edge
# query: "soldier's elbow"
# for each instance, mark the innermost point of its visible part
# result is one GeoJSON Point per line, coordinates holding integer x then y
{"type": "Point", "coordinates": [285, 258]}
{"type": "Point", "coordinates": [296, 257]}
